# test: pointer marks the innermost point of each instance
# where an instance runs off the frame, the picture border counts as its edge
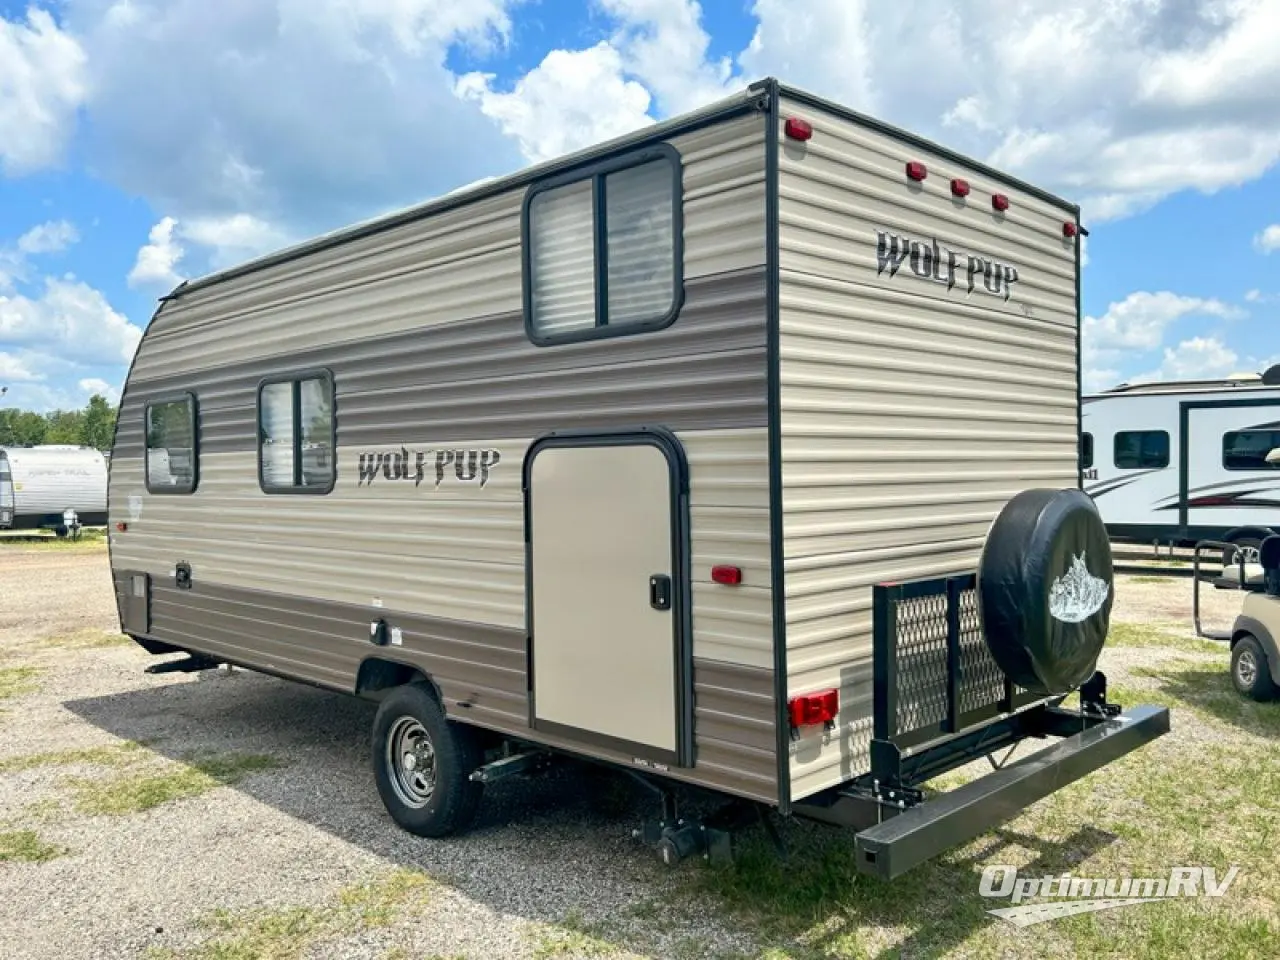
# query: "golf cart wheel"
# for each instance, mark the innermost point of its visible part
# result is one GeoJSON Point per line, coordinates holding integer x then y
{"type": "Point", "coordinates": [1250, 671]}
{"type": "Point", "coordinates": [1248, 546]}
{"type": "Point", "coordinates": [422, 764]}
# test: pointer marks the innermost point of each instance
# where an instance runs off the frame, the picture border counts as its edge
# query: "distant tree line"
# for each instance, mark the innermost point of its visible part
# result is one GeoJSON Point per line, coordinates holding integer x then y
{"type": "Point", "coordinates": [93, 426]}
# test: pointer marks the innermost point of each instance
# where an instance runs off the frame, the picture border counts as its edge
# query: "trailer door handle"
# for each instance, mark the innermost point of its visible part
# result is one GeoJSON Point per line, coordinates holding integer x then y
{"type": "Point", "coordinates": [660, 592]}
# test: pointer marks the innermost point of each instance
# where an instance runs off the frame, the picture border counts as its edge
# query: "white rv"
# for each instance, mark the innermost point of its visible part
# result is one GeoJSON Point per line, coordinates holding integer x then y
{"type": "Point", "coordinates": [680, 454]}
{"type": "Point", "coordinates": [1182, 461]}
{"type": "Point", "coordinates": [39, 485]}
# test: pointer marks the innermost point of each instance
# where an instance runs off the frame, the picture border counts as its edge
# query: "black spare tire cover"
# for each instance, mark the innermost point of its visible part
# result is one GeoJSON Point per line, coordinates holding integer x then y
{"type": "Point", "coordinates": [1045, 589]}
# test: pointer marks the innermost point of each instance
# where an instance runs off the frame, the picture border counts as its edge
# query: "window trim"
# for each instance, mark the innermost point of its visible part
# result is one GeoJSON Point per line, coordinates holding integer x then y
{"type": "Point", "coordinates": [1266, 468]}
{"type": "Point", "coordinates": [596, 172]}
{"type": "Point", "coordinates": [1115, 450]}
{"type": "Point", "coordinates": [296, 378]}
{"type": "Point", "coordinates": [188, 397]}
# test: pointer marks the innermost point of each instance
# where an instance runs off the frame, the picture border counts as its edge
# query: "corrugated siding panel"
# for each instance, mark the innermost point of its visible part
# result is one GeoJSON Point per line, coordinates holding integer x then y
{"type": "Point", "coordinates": [462, 263]}
{"type": "Point", "coordinates": [910, 413]}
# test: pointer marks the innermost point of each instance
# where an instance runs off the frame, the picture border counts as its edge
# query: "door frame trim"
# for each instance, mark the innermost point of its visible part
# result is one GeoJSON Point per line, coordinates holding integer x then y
{"type": "Point", "coordinates": [1184, 432]}
{"type": "Point", "coordinates": [682, 594]}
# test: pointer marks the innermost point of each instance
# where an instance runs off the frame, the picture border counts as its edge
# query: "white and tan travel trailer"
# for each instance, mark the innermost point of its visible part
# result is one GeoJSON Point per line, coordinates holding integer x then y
{"type": "Point", "coordinates": [1179, 462]}
{"type": "Point", "coordinates": [47, 486]}
{"type": "Point", "coordinates": [679, 454]}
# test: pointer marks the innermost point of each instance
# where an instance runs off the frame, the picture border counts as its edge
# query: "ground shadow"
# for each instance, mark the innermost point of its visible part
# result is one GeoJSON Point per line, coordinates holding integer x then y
{"type": "Point", "coordinates": [528, 829]}
{"type": "Point", "coordinates": [1212, 692]}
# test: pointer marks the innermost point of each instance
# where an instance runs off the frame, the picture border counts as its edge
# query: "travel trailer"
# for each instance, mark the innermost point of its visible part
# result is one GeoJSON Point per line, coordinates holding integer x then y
{"type": "Point", "coordinates": [1178, 462]}
{"type": "Point", "coordinates": [739, 453]}
{"type": "Point", "coordinates": [52, 487]}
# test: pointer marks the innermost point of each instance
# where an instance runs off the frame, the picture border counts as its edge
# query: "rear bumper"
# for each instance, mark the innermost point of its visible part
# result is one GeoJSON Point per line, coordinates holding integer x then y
{"type": "Point", "coordinates": [906, 839]}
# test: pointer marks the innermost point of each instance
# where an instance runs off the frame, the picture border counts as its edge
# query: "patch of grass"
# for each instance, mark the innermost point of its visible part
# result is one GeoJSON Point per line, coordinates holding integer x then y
{"type": "Point", "coordinates": [571, 937]}
{"type": "Point", "coordinates": [15, 681]}
{"type": "Point", "coordinates": [88, 639]}
{"type": "Point", "coordinates": [27, 846]}
{"type": "Point", "coordinates": [1209, 693]}
{"type": "Point", "coordinates": [111, 756]}
{"type": "Point", "coordinates": [137, 792]}
{"type": "Point", "coordinates": [1170, 636]}
{"type": "Point", "coordinates": [1145, 579]}
{"type": "Point", "coordinates": [287, 934]}
{"type": "Point", "coordinates": [91, 538]}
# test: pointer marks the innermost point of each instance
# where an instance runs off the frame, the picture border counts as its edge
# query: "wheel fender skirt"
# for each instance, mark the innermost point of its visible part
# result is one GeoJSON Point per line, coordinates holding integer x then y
{"type": "Point", "coordinates": [899, 843]}
{"type": "Point", "coordinates": [1266, 638]}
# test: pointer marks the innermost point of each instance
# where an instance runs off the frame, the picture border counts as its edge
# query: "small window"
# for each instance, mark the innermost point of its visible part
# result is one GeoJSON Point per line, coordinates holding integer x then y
{"type": "Point", "coordinates": [603, 251]}
{"type": "Point", "coordinates": [1142, 450]}
{"type": "Point", "coordinates": [1086, 450]}
{"type": "Point", "coordinates": [1248, 449]}
{"type": "Point", "coordinates": [296, 443]}
{"type": "Point", "coordinates": [171, 455]}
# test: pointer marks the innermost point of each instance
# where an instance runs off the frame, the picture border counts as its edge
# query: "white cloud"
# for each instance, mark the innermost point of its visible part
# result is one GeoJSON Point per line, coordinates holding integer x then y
{"type": "Point", "coordinates": [570, 100]}
{"type": "Point", "coordinates": [14, 367]}
{"type": "Point", "coordinates": [302, 114]}
{"type": "Point", "coordinates": [52, 237]}
{"type": "Point", "coordinates": [158, 258]}
{"type": "Point", "coordinates": [1253, 296]}
{"type": "Point", "coordinates": [42, 85]}
{"type": "Point", "coordinates": [69, 320]}
{"type": "Point", "coordinates": [1269, 239]}
{"type": "Point", "coordinates": [1198, 358]}
{"type": "Point", "coordinates": [96, 385]}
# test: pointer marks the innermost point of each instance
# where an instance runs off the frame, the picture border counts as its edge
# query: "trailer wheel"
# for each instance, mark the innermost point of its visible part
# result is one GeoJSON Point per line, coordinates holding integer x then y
{"type": "Point", "coordinates": [1045, 590]}
{"type": "Point", "coordinates": [422, 763]}
{"type": "Point", "coordinates": [1250, 672]}
{"type": "Point", "coordinates": [1249, 547]}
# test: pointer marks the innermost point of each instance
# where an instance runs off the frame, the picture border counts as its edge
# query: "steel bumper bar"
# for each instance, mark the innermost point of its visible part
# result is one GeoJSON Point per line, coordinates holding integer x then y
{"type": "Point", "coordinates": [903, 841]}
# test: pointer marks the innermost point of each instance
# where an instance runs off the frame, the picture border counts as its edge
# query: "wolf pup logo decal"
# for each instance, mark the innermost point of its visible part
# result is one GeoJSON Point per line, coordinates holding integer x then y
{"type": "Point", "coordinates": [930, 261]}
{"type": "Point", "coordinates": [1077, 595]}
{"type": "Point", "coordinates": [468, 466]}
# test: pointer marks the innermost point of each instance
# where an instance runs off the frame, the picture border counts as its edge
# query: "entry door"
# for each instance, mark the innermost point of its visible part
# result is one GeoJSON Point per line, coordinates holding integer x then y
{"type": "Point", "coordinates": [607, 594]}
{"type": "Point", "coordinates": [1229, 483]}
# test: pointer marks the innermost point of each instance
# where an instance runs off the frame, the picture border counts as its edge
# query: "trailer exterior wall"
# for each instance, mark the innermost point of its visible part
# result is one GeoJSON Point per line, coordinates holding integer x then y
{"type": "Point", "coordinates": [910, 412]}
{"type": "Point", "coordinates": [421, 326]}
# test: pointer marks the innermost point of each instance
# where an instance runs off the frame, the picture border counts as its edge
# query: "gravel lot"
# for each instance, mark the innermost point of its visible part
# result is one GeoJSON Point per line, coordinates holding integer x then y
{"type": "Point", "coordinates": [549, 871]}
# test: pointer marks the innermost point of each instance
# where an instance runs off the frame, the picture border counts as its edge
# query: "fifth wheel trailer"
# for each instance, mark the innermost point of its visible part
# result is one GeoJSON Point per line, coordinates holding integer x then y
{"type": "Point", "coordinates": [740, 452]}
{"type": "Point", "coordinates": [38, 485]}
{"type": "Point", "coordinates": [1184, 461]}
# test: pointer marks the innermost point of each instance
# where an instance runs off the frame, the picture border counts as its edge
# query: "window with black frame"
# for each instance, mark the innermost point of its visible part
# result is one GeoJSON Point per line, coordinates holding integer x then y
{"type": "Point", "coordinates": [296, 442]}
{"type": "Point", "coordinates": [1248, 449]}
{"type": "Point", "coordinates": [1142, 449]}
{"type": "Point", "coordinates": [603, 250]}
{"type": "Point", "coordinates": [1086, 450]}
{"type": "Point", "coordinates": [171, 454]}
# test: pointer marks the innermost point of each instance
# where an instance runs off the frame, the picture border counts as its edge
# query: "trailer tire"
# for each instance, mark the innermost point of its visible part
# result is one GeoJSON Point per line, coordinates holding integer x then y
{"type": "Point", "coordinates": [1250, 671]}
{"type": "Point", "coordinates": [422, 763]}
{"type": "Point", "coordinates": [1247, 541]}
{"type": "Point", "coordinates": [1045, 590]}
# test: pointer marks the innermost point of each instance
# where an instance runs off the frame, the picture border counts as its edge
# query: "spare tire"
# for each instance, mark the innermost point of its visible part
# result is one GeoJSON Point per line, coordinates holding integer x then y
{"type": "Point", "coordinates": [1045, 589]}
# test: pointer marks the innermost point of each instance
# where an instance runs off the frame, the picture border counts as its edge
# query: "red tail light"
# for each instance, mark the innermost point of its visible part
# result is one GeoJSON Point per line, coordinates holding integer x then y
{"type": "Point", "coordinates": [814, 709]}
{"type": "Point", "coordinates": [730, 576]}
{"type": "Point", "coordinates": [1069, 229]}
{"type": "Point", "coordinates": [999, 202]}
{"type": "Point", "coordinates": [798, 129]}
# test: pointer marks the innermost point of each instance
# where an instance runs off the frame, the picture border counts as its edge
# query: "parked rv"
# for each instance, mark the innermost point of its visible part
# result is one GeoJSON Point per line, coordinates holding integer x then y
{"type": "Point", "coordinates": [52, 487]}
{"type": "Point", "coordinates": [739, 452]}
{"type": "Point", "coordinates": [1178, 462]}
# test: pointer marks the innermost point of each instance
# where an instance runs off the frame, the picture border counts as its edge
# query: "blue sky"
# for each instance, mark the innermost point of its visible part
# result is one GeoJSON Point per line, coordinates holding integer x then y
{"type": "Point", "coordinates": [142, 141]}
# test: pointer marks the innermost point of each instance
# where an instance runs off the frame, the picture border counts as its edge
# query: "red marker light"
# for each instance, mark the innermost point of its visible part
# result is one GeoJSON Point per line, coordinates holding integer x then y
{"type": "Point", "coordinates": [122, 527]}
{"type": "Point", "coordinates": [1069, 229]}
{"type": "Point", "coordinates": [916, 171]}
{"type": "Point", "coordinates": [798, 129]}
{"type": "Point", "coordinates": [814, 709]}
{"type": "Point", "coordinates": [999, 202]}
{"type": "Point", "coordinates": [729, 576]}
{"type": "Point", "coordinates": [959, 188]}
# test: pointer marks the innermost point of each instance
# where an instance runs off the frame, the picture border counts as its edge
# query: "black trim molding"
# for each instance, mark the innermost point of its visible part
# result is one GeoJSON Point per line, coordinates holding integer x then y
{"type": "Point", "coordinates": [297, 486]}
{"type": "Point", "coordinates": [598, 173]}
{"type": "Point", "coordinates": [193, 425]}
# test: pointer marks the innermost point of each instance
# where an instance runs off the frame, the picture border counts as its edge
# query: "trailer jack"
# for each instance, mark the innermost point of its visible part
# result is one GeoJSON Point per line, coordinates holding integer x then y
{"type": "Point", "coordinates": [676, 838]}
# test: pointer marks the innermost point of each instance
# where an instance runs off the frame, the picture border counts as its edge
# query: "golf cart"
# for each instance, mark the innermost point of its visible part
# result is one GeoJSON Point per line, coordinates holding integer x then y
{"type": "Point", "coordinates": [1255, 657]}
